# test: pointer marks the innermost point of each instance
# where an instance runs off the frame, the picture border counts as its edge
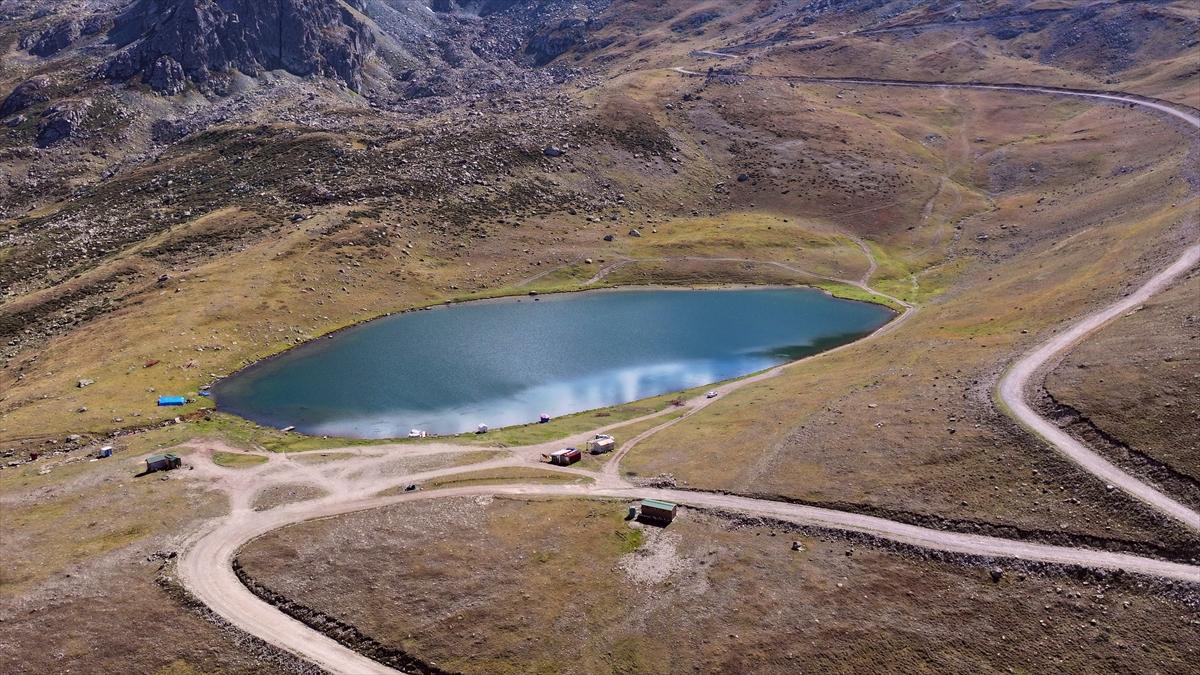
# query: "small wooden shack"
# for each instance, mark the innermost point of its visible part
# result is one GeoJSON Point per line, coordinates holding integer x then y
{"type": "Point", "coordinates": [656, 511]}
{"type": "Point", "coordinates": [163, 462]}
{"type": "Point", "coordinates": [565, 457]}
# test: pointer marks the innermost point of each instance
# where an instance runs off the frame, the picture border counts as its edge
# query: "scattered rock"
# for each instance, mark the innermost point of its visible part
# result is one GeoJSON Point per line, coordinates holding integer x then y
{"type": "Point", "coordinates": [84, 382]}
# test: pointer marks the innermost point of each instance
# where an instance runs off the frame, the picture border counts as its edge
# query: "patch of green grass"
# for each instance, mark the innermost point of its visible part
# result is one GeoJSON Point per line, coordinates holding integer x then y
{"type": "Point", "coordinates": [912, 279]}
{"type": "Point", "coordinates": [322, 457]}
{"type": "Point", "coordinates": [237, 460]}
{"type": "Point", "coordinates": [631, 539]}
{"type": "Point", "coordinates": [243, 433]}
{"type": "Point", "coordinates": [848, 292]}
{"type": "Point", "coordinates": [568, 279]}
{"type": "Point", "coordinates": [628, 432]}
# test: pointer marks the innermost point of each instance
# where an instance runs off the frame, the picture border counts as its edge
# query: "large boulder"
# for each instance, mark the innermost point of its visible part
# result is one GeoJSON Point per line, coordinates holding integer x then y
{"type": "Point", "coordinates": [29, 92]}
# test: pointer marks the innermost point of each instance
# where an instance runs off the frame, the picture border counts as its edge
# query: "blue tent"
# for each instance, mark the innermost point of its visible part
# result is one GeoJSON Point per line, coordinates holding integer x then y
{"type": "Point", "coordinates": [172, 400]}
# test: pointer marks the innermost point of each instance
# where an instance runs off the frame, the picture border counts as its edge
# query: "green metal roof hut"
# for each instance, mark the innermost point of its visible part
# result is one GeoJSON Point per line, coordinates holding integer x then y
{"type": "Point", "coordinates": [163, 462]}
{"type": "Point", "coordinates": [656, 511]}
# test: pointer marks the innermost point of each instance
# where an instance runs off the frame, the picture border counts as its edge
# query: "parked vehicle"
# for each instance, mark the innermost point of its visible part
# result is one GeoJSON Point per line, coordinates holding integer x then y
{"type": "Point", "coordinates": [601, 444]}
{"type": "Point", "coordinates": [565, 457]}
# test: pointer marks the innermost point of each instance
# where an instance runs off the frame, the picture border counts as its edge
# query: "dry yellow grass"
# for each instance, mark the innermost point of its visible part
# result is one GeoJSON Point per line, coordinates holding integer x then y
{"type": "Point", "coordinates": [706, 594]}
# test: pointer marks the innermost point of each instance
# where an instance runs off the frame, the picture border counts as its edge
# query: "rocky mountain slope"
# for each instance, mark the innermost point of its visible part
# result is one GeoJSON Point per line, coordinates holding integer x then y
{"type": "Point", "coordinates": [172, 42]}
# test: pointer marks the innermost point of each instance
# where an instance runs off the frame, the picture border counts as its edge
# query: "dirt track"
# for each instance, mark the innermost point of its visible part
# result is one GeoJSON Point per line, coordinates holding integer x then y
{"type": "Point", "coordinates": [1012, 388]}
{"type": "Point", "coordinates": [353, 484]}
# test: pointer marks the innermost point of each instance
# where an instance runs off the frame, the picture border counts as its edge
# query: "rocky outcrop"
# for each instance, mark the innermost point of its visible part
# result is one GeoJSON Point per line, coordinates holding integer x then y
{"type": "Point", "coordinates": [556, 39]}
{"type": "Point", "coordinates": [54, 40]}
{"type": "Point", "coordinates": [166, 76]}
{"type": "Point", "coordinates": [62, 121]}
{"type": "Point", "coordinates": [26, 94]}
{"type": "Point", "coordinates": [62, 35]}
{"type": "Point", "coordinates": [472, 7]}
{"type": "Point", "coordinates": [170, 42]}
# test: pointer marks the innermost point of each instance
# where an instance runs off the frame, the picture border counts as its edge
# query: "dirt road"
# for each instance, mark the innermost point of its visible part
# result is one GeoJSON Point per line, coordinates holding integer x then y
{"type": "Point", "coordinates": [206, 567]}
{"type": "Point", "coordinates": [1013, 386]}
{"type": "Point", "coordinates": [354, 484]}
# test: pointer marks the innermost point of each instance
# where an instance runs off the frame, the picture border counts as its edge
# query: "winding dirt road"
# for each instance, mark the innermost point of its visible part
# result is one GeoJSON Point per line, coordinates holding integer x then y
{"type": "Point", "coordinates": [356, 483]}
{"type": "Point", "coordinates": [1014, 384]}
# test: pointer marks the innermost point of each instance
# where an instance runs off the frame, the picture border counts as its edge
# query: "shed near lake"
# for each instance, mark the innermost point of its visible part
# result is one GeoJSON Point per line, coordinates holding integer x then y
{"type": "Point", "coordinates": [656, 511]}
{"type": "Point", "coordinates": [163, 462]}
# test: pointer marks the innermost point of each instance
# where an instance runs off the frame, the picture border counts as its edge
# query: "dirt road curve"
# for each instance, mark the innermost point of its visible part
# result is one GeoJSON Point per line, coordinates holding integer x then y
{"type": "Point", "coordinates": [206, 567]}
{"type": "Point", "coordinates": [1012, 387]}
{"type": "Point", "coordinates": [1011, 390]}
{"type": "Point", "coordinates": [1015, 382]}
{"type": "Point", "coordinates": [360, 482]}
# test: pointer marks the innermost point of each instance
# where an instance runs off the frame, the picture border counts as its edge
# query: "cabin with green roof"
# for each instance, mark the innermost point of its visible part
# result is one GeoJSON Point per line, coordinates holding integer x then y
{"type": "Point", "coordinates": [658, 511]}
{"type": "Point", "coordinates": [163, 462]}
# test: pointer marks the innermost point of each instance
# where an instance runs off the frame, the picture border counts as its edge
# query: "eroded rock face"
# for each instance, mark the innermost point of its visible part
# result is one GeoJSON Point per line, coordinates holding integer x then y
{"type": "Point", "coordinates": [27, 93]}
{"type": "Point", "coordinates": [160, 39]}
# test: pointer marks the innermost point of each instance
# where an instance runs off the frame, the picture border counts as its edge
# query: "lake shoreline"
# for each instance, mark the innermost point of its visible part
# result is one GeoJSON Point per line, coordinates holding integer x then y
{"type": "Point", "coordinates": [518, 296]}
{"type": "Point", "coordinates": [289, 390]}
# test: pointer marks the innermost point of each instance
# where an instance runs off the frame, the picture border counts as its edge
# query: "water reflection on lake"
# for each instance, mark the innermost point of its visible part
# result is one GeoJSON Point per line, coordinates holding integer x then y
{"type": "Point", "coordinates": [505, 362]}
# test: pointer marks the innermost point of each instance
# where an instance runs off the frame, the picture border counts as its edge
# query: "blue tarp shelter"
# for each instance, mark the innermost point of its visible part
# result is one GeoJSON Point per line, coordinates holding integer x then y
{"type": "Point", "coordinates": [172, 400]}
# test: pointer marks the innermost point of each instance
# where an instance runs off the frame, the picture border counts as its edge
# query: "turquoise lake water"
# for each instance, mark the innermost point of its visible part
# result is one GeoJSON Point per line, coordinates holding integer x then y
{"type": "Point", "coordinates": [505, 362]}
